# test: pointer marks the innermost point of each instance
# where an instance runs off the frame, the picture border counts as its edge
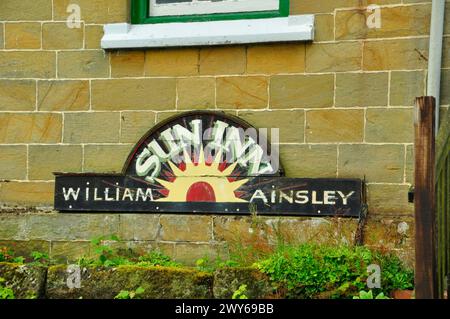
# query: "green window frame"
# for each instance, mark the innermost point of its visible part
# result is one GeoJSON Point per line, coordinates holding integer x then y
{"type": "Point", "coordinates": [140, 14]}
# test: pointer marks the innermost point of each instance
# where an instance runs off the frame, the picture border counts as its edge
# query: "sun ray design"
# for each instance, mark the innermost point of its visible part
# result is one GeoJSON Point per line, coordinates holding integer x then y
{"type": "Point", "coordinates": [202, 182]}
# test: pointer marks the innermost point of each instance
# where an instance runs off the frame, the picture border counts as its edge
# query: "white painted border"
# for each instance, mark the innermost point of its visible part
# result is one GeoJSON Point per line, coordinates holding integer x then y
{"type": "Point", "coordinates": [292, 28]}
{"type": "Point", "coordinates": [204, 7]}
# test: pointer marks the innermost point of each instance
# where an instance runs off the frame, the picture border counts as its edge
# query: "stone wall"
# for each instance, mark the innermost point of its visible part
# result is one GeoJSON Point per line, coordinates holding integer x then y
{"type": "Point", "coordinates": [343, 103]}
{"type": "Point", "coordinates": [38, 282]}
{"type": "Point", "coordinates": [187, 238]}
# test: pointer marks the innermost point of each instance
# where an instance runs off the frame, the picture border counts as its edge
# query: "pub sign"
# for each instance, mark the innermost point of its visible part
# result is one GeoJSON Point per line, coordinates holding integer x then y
{"type": "Point", "coordinates": [206, 162]}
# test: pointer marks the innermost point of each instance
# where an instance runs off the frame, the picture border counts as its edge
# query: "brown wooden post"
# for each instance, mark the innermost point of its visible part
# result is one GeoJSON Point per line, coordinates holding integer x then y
{"type": "Point", "coordinates": [424, 198]}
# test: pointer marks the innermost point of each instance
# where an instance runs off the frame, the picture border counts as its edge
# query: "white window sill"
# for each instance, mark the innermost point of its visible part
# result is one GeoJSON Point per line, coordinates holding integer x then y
{"type": "Point", "coordinates": [292, 28]}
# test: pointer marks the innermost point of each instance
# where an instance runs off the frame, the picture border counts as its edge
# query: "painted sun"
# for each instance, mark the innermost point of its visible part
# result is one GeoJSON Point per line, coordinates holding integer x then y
{"type": "Point", "coordinates": [202, 182]}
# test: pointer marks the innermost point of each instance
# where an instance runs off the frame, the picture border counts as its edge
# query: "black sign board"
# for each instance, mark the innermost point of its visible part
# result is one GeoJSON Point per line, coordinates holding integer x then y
{"type": "Point", "coordinates": [206, 162]}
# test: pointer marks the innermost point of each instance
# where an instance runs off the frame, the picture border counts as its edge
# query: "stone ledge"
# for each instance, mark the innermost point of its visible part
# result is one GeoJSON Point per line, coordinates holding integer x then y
{"type": "Point", "coordinates": [27, 282]}
{"type": "Point", "coordinates": [159, 282]}
{"type": "Point", "coordinates": [106, 283]}
{"type": "Point", "coordinates": [228, 280]}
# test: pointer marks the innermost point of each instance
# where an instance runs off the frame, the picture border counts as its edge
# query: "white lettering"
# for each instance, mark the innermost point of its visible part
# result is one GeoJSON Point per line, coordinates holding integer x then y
{"type": "Point", "coordinates": [187, 137]}
{"type": "Point", "coordinates": [218, 132]}
{"type": "Point", "coordinates": [236, 147]}
{"type": "Point", "coordinates": [107, 198]}
{"type": "Point", "coordinates": [70, 193]}
{"type": "Point", "coordinates": [345, 197]}
{"type": "Point", "coordinates": [314, 198]}
{"type": "Point", "coordinates": [329, 197]}
{"type": "Point", "coordinates": [168, 140]}
{"type": "Point", "coordinates": [147, 162]}
{"type": "Point", "coordinates": [96, 198]}
{"type": "Point", "coordinates": [302, 197]}
{"type": "Point", "coordinates": [186, 309]}
{"type": "Point", "coordinates": [258, 194]}
{"type": "Point", "coordinates": [148, 194]}
{"type": "Point", "coordinates": [127, 194]}
{"type": "Point", "coordinates": [289, 198]}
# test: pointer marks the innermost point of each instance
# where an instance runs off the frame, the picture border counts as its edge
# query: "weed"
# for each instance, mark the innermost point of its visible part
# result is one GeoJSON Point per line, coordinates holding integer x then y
{"type": "Point", "coordinates": [40, 258]}
{"type": "Point", "coordinates": [157, 258]}
{"type": "Point", "coordinates": [134, 294]}
{"type": "Point", "coordinates": [369, 295]}
{"type": "Point", "coordinates": [7, 255]}
{"type": "Point", "coordinates": [6, 292]}
{"type": "Point", "coordinates": [308, 270]}
{"type": "Point", "coordinates": [240, 293]}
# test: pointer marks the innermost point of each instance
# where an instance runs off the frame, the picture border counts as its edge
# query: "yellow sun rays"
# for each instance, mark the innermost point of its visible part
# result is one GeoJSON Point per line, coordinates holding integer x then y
{"type": "Point", "coordinates": [211, 174]}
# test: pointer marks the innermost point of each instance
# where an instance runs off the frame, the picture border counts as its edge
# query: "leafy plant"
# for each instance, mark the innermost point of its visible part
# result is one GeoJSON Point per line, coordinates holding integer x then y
{"type": "Point", "coordinates": [369, 295]}
{"type": "Point", "coordinates": [206, 265]}
{"type": "Point", "coordinates": [105, 255]}
{"type": "Point", "coordinates": [227, 263]}
{"type": "Point", "coordinates": [40, 258]}
{"type": "Point", "coordinates": [240, 293]}
{"type": "Point", "coordinates": [134, 294]}
{"type": "Point", "coordinates": [394, 276]}
{"type": "Point", "coordinates": [30, 295]}
{"type": "Point", "coordinates": [18, 260]}
{"type": "Point", "coordinates": [108, 256]}
{"type": "Point", "coordinates": [7, 255]}
{"type": "Point", "coordinates": [307, 271]}
{"type": "Point", "coordinates": [5, 292]}
{"type": "Point", "coordinates": [157, 258]}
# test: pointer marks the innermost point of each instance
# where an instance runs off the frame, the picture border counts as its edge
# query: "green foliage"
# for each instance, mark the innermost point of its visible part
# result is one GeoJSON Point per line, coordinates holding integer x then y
{"type": "Point", "coordinates": [7, 255]}
{"type": "Point", "coordinates": [108, 256]}
{"type": "Point", "coordinates": [105, 255]}
{"type": "Point", "coordinates": [18, 260]}
{"type": "Point", "coordinates": [369, 295]}
{"type": "Point", "coordinates": [206, 265]}
{"type": "Point", "coordinates": [394, 276]}
{"type": "Point", "coordinates": [30, 295]}
{"type": "Point", "coordinates": [227, 264]}
{"type": "Point", "coordinates": [309, 270]}
{"type": "Point", "coordinates": [157, 258]}
{"type": "Point", "coordinates": [6, 292]}
{"type": "Point", "coordinates": [37, 258]}
{"type": "Point", "coordinates": [240, 293]}
{"type": "Point", "coordinates": [304, 271]}
{"type": "Point", "coordinates": [134, 294]}
{"type": "Point", "coordinates": [85, 261]}
{"type": "Point", "coordinates": [40, 258]}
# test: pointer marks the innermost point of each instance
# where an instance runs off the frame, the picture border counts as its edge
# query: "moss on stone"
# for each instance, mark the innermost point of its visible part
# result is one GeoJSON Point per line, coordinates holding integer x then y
{"type": "Point", "coordinates": [228, 280]}
{"type": "Point", "coordinates": [27, 282]}
{"type": "Point", "coordinates": [106, 283]}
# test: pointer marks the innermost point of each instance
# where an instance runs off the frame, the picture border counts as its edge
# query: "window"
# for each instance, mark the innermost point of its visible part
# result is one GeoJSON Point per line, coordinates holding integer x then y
{"type": "Point", "coordinates": [190, 7]}
{"type": "Point", "coordinates": [157, 11]}
{"type": "Point", "coordinates": [177, 23]}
